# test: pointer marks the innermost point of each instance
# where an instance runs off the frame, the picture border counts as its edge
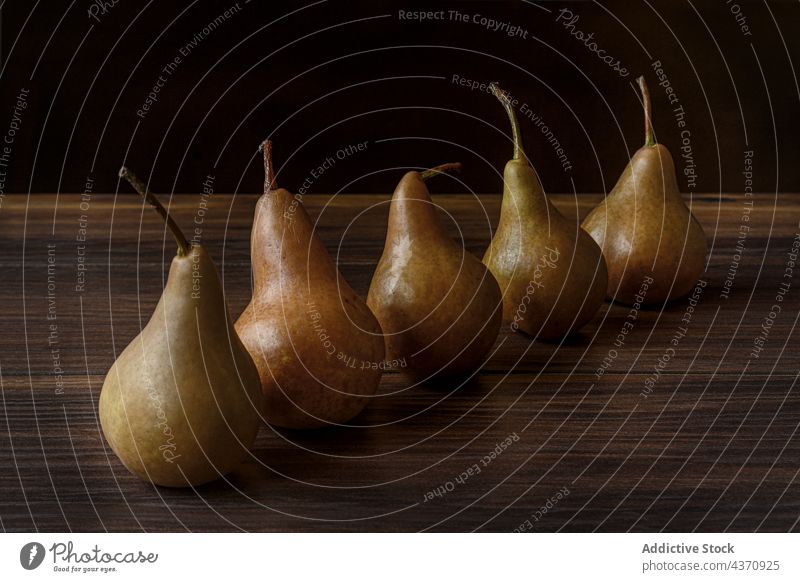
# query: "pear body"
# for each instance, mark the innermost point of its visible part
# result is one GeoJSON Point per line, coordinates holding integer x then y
{"type": "Point", "coordinates": [318, 348]}
{"type": "Point", "coordinates": [181, 404]}
{"type": "Point", "coordinates": [647, 232]}
{"type": "Point", "coordinates": [438, 305]}
{"type": "Point", "coordinates": [551, 273]}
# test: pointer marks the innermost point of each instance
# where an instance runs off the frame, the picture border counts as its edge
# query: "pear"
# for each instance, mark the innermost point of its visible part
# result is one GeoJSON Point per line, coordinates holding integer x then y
{"type": "Point", "coordinates": [318, 348]}
{"type": "Point", "coordinates": [654, 247]}
{"type": "Point", "coordinates": [551, 272]}
{"type": "Point", "coordinates": [181, 404]}
{"type": "Point", "coordinates": [438, 305]}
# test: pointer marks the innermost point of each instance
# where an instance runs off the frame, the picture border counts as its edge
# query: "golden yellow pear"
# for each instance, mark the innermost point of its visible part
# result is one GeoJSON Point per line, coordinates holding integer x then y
{"type": "Point", "coordinates": [438, 305]}
{"type": "Point", "coordinates": [551, 273]}
{"type": "Point", "coordinates": [647, 233]}
{"type": "Point", "coordinates": [180, 406]}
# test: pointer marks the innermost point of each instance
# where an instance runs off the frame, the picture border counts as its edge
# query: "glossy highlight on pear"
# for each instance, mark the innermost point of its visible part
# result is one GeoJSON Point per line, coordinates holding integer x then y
{"type": "Point", "coordinates": [551, 273]}
{"type": "Point", "coordinates": [181, 404]}
{"type": "Point", "coordinates": [318, 348]}
{"type": "Point", "coordinates": [438, 305]}
{"type": "Point", "coordinates": [646, 230]}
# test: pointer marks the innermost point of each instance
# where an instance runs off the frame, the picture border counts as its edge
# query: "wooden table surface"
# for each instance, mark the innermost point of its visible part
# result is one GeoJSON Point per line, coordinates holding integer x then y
{"type": "Point", "coordinates": [713, 447]}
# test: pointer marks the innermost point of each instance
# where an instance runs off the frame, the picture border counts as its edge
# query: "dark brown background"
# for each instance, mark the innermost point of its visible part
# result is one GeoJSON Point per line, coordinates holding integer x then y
{"type": "Point", "coordinates": [87, 79]}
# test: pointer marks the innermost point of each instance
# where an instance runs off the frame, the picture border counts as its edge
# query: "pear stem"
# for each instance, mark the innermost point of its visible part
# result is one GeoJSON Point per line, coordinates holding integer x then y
{"type": "Point", "coordinates": [441, 169]}
{"type": "Point", "coordinates": [505, 99]}
{"type": "Point", "coordinates": [144, 191]}
{"type": "Point", "coordinates": [269, 171]}
{"type": "Point", "coordinates": [649, 139]}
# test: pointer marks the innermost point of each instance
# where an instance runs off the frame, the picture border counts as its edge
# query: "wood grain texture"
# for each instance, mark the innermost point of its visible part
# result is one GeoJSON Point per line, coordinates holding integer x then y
{"type": "Point", "coordinates": [713, 446]}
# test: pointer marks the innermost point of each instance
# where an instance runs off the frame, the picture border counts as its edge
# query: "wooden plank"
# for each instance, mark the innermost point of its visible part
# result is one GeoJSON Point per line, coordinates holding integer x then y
{"type": "Point", "coordinates": [712, 446]}
{"type": "Point", "coordinates": [121, 229]}
{"type": "Point", "coordinates": [611, 449]}
{"type": "Point", "coordinates": [93, 325]}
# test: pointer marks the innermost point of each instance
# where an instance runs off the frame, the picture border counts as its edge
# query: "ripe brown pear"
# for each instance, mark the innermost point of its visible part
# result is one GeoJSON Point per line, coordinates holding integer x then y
{"type": "Point", "coordinates": [551, 273]}
{"type": "Point", "coordinates": [646, 230]}
{"type": "Point", "coordinates": [318, 348]}
{"type": "Point", "coordinates": [438, 305]}
{"type": "Point", "coordinates": [181, 404]}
